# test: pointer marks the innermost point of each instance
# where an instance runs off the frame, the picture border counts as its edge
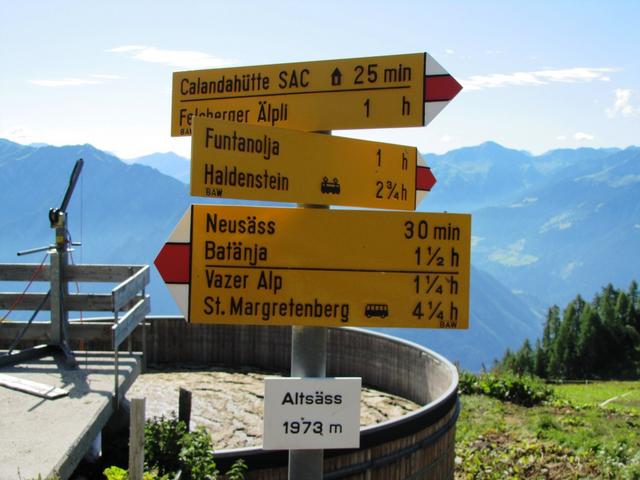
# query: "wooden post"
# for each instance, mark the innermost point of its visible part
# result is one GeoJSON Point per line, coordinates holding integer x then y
{"type": "Point", "coordinates": [144, 344]}
{"type": "Point", "coordinates": [144, 339]}
{"type": "Point", "coordinates": [136, 439]}
{"type": "Point", "coordinates": [58, 334]}
{"type": "Point", "coordinates": [57, 293]}
{"type": "Point", "coordinates": [116, 376]}
{"type": "Point", "coordinates": [184, 407]}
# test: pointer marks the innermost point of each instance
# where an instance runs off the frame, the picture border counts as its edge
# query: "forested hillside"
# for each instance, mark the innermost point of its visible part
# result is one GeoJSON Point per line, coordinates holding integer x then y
{"type": "Point", "coordinates": [597, 339]}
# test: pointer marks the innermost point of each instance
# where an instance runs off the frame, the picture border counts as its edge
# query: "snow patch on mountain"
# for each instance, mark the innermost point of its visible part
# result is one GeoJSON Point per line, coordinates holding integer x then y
{"type": "Point", "coordinates": [513, 255]}
{"type": "Point", "coordinates": [569, 268]}
{"type": "Point", "coordinates": [561, 221]}
{"type": "Point", "coordinates": [524, 202]}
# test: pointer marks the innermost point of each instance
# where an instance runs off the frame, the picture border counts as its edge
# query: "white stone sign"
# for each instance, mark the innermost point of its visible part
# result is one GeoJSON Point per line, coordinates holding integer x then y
{"type": "Point", "coordinates": [311, 413]}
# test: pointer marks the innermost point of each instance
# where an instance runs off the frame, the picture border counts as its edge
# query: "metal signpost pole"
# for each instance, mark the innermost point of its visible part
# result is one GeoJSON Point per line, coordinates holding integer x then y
{"type": "Point", "coordinates": [59, 290]}
{"type": "Point", "coordinates": [59, 260]}
{"type": "Point", "coordinates": [372, 92]}
{"type": "Point", "coordinates": [308, 359]}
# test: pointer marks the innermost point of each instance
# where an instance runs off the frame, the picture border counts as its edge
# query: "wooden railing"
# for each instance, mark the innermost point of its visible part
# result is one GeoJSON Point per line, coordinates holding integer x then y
{"type": "Point", "coordinates": [127, 302]}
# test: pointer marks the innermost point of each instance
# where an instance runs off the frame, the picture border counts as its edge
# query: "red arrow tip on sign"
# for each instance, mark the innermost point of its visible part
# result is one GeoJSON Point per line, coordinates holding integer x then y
{"type": "Point", "coordinates": [425, 180]}
{"type": "Point", "coordinates": [173, 262]}
{"type": "Point", "coordinates": [440, 88]}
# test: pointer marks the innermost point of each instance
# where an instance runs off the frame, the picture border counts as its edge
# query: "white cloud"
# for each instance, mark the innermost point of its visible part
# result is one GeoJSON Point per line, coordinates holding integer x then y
{"type": "Point", "coordinates": [573, 75]}
{"type": "Point", "coordinates": [94, 79]}
{"type": "Point", "coordinates": [126, 48]}
{"type": "Point", "coordinates": [18, 134]}
{"type": "Point", "coordinates": [448, 51]}
{"type": "Point", "coordinates": [622, 104]}
{"type": "Point", "coordinates": [104, 76]}
{"type": "Point", "coordinates": [580, 136]}
{"type": "Point", "coordinates": [66, 82]}
{"type": "Point", "coordinates": [536, 78]}
{"type": "Point", "coordinates": [447, 138]}
{"type": "Point", "coordinates": [188, 59]}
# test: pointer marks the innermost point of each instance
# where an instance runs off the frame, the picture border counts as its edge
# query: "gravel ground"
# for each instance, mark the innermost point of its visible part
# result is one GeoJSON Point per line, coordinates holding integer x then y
{"type": "Point", "coordinates": [230, 404]}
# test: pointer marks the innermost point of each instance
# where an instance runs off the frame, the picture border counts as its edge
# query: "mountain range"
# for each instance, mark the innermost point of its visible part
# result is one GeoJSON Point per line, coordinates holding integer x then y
{"type": "Point", "coordinates": [545, 228]}
{"type": "Point", "coordinates": [168, 163]}
{"type": "Point", "coordinates": [548, 226]}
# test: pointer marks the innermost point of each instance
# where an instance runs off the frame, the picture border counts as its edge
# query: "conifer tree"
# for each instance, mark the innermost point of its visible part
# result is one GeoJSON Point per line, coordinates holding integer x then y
{"type": "Point", "coordinates": [539, 361]}
{"type": "Point", "coordinates": [524, 359]}
{"type": "Point", "coordinates": [552, 327]}
{"type": "Point", "coordinates": [634, 305]}
{"type": "Point", "coordinates": [606, 302]}
{"type": "Point", "coordinates": [588, 347]}
{"type": "Point", "coordinates": [566, 341]}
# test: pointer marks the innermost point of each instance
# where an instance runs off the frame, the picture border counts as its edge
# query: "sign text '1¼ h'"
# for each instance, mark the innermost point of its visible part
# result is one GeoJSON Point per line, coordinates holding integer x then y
{"type": "Point", "coordinates": [310, 267]}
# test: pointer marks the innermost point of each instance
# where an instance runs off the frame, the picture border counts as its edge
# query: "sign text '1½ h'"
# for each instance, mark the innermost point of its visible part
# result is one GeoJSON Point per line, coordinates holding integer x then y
{"type": "Point", "coordinates": [310, 267]}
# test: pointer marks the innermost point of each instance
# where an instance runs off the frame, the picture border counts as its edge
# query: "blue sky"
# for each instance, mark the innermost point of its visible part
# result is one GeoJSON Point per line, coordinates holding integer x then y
{"type": "Point", "coordinates": [537, 75]}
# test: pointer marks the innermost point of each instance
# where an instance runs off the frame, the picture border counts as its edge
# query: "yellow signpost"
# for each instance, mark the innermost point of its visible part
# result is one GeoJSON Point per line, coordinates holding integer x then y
{"type": "Point", "coordinates": [229, 160]}
{"type": "Point", "coordinates": [278, 266]}
{"type": "Point", "coordinates": [311, 266]}
{"type": "Point", "coordinates": [372, 92]}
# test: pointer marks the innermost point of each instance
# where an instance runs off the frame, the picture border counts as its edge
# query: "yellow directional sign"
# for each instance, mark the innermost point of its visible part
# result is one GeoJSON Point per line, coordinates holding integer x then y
{"type": "Point", "coordinates": [373, 92]}
{"type": "Point", "coordinates": [277, 266]}
{"type": "Point", "coordinates": [230, 160]}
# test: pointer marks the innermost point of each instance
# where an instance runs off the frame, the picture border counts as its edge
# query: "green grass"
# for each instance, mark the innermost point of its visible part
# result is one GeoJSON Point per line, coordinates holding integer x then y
{"type": "Point", "coordinates": [571, 437]}
{"type": "Point", "coordinates": [596, 393]}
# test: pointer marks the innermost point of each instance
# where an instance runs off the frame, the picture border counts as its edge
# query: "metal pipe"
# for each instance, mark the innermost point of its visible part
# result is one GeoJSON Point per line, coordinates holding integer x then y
{"type": "Point", "coordinates": [308, 359]}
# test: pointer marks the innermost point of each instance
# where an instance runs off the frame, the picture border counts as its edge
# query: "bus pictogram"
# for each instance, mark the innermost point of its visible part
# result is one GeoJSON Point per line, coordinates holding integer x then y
{"type": "Point", "coordinates": [376, 310]}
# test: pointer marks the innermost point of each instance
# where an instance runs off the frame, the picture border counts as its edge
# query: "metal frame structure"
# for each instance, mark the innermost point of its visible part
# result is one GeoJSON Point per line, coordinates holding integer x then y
{"type": "Point", "coordinates": [58, 253]}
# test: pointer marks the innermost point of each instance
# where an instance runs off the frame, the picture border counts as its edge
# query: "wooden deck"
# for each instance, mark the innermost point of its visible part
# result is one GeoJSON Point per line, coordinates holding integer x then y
{"type": "Point", "coordinates": [47, 437]}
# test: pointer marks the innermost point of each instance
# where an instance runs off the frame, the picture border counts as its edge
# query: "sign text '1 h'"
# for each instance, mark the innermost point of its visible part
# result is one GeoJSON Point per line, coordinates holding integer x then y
{"type": "Point", "coordinates": [230, 160]}
{"type": "Point", "coordinates": [406, 90]}
{"type": "Point", "coordinates": [279, 266]}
